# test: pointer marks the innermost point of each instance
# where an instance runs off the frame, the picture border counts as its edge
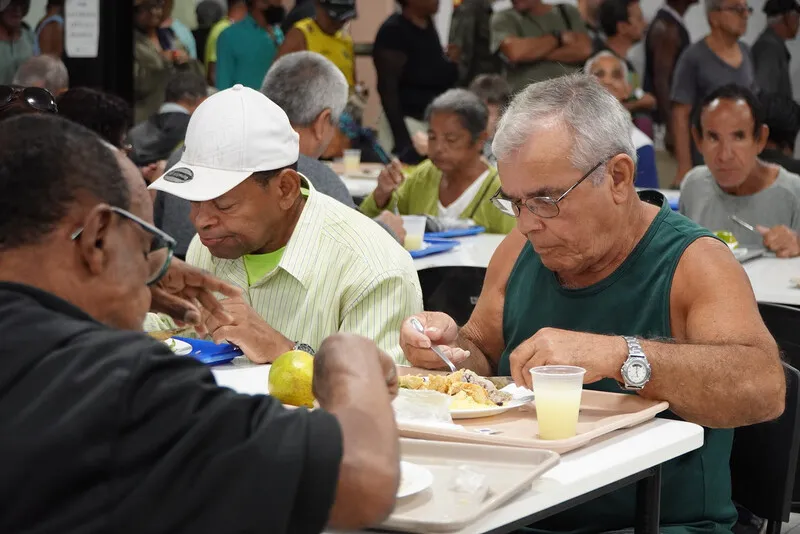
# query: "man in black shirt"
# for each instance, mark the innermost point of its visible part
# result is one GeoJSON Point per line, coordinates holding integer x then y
{"type": "Point", "coordinates": [782, 117]}
{"type": "Point", "coordinates": [102, 429]}
{"type": "Point", "coordinates": [666, 38]}
{"type": "Point", "coordinates": [770, 55]}
{"type": "Point", "coordinates": [412, 70]}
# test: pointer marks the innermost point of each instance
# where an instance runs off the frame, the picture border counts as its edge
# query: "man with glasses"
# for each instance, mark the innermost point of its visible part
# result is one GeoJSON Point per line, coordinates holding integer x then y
{"type": "Point", "coordinates": [143, 440]}
{"type": "Point", "coordinates": [718, 59]}
{"type": "Point", "coordinates": [309, 266]}
{"type": "Point", "coordinates": [592, 261]}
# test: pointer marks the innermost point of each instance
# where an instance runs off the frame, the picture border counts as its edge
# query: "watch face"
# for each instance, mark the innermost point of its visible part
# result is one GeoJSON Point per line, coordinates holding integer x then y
{"type": "Point", "coordinates": [637, 373]}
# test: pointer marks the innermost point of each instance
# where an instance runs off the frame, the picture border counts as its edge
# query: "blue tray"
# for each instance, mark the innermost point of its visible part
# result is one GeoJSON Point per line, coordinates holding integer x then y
{"type": "Point", "coordinates": [460, 232]}
{"type": "Point", "coordinates": [210, 353]}
{"type": "Point", "coordinates": [435, 246]}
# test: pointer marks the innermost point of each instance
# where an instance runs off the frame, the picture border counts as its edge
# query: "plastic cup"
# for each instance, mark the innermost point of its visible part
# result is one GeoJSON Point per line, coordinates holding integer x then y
{"type": "Point", "coordinates": [352, 161]}
{"type": "Point", "coordinates": [414, 226]}
{"type": "Point", "coordinates": [558, 399]}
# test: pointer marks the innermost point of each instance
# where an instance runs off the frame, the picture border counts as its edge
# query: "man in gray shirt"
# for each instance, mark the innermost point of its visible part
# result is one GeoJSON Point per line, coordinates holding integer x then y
{"type": "Point", "coordinates": [770, 55]}
{"type": "Point", "coordinates": [712, 62]}
{"type": "Point", "coordinates": [730, 132]}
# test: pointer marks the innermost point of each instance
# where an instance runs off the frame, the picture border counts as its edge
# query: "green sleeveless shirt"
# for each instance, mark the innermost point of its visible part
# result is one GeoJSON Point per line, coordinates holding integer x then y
{"type": "Point", "coordinates": [634, 300]}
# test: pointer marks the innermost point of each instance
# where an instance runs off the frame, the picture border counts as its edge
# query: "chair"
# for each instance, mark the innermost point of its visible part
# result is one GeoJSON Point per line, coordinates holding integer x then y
{"type": "Point", "coordinates": [452, 290]}
{"type": "Point", "coordinates": [764, 460]}
{"type": "Point", "coordinates": [783, 322]}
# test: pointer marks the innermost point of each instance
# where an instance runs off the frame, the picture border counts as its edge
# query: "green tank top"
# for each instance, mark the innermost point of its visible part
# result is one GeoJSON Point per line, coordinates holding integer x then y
{"type": "Point", "coordinates": [634, 300]}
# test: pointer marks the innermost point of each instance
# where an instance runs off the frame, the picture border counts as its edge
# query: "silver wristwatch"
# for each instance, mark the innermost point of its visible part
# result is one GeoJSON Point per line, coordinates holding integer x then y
{"type": "Point", "coordinates": [636, 369]}
{"type": "Point", "coordinates": [303, 347]}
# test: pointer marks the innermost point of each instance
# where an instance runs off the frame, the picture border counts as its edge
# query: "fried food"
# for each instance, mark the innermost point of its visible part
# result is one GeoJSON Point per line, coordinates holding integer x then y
{"type": "Point", "coordinates": [462, 384]}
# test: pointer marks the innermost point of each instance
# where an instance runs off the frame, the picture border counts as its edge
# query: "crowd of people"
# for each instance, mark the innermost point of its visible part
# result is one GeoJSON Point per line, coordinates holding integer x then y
{"type": "Point", "coordinates": [205, 203]}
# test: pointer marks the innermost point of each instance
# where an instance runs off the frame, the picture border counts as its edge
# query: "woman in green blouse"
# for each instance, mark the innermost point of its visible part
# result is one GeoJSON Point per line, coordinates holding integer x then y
{"type": "Point", "coordinates": [456, 182]}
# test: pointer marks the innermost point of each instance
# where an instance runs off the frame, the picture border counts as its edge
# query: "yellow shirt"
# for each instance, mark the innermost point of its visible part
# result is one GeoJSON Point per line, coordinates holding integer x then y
{"type": "Point", "coordinates": [337, 48]}
{"type": "Point", "coordinates": [339, 272]}
{"type": "Point", "coordinates": [213, 36]}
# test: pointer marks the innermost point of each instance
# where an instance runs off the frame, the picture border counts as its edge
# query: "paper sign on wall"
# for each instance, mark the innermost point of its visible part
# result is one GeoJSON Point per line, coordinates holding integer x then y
{"type": "Point", "coordinates": [82, 28]}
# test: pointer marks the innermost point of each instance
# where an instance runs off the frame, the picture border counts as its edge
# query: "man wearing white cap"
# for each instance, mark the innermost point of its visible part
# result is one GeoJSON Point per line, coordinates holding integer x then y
{"type": "Point", "coordinates": [309, 266]}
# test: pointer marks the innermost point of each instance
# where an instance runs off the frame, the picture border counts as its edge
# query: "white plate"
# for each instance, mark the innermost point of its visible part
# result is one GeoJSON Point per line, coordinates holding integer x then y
{"type": "Point", "coordinates": [485, 412]}
{"type": "Point", "coordinates": [739, 252]}
{"type": "Point", "coordinates": [181, 348]}
{"type": "Point", "coordinates": [413, 479]}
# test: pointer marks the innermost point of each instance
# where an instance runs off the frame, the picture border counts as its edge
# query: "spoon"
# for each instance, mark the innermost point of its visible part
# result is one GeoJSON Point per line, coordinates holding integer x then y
{"type": "Point", "coordinates": [421, 329]}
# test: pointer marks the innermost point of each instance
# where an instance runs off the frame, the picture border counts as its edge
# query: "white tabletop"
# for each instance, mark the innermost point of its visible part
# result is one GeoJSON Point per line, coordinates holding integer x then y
{"type": "Point", "coordinates": [473, 251]}
{"type": "Point", "coordinates": [771, 279]}
{"type": "Point", "coordinates": [617, 456]}
{"type": "Point", "coordinates": [360, 187]}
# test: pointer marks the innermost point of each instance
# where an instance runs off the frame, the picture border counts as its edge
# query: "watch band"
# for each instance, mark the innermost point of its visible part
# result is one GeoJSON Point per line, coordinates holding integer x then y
{"type": "Point", "coordinates": [634, 348]}
{"type": "Point", "coordinates": [304, 347]}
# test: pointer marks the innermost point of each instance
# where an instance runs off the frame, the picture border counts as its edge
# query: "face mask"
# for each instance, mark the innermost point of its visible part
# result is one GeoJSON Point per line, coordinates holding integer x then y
{"type": "Point", "coordinates": [274, 14]}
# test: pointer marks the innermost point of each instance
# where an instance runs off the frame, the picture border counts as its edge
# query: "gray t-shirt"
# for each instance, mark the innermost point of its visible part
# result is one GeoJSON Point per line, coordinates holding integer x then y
{"type": "Point", "coordinates": [703, 201]}
{"type": "Point", "coordinates": [700, 71]}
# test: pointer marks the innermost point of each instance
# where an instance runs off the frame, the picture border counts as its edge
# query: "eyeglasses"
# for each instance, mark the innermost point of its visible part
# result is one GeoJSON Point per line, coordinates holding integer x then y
{"type": "Point", "coordinates": [35, 97]}
{"type": "Point", "coordinates": [162, 246]}
{"type": "Point", "coordinates": [739, 10]}
{"type": "Point", "coordinates": [544, 207]}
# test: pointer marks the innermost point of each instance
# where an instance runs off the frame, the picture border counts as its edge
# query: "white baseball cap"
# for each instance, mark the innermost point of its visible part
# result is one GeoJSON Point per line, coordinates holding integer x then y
{"type": "Point", "coordinates": [231, 135]}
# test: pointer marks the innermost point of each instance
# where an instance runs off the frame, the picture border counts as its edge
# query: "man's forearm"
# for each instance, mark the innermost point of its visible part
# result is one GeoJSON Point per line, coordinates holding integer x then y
{"type": "Point", "coordinates": [718, 386]}
{"type": "Point", "coordinates": [368, 475]}
{"type": "Point", "coordinates": [680, 131]}
{"type": "Point", "coordinates": [528, 49]}
{"type": "Point", "coordinates": [574, 53]}
{"type": "Point", "coordinates": [477, 361]}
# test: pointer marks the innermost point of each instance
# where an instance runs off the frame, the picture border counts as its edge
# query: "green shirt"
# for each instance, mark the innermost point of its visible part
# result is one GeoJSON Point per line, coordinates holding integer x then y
{"type": "Point", "coordinates": [260, 265]}
{"type": "Point", "coordinates": [245, 51]}
{"type": "Point", "coordinates": [512, 23]}
{"type": "Point", "coordinates": [13, 54]}
{"type": "Point", "coordinates": [634, 300]}
{"type": "Point", "coordinates": [213, 37]}
{"type": "Point", "coordinates": [419, 195]}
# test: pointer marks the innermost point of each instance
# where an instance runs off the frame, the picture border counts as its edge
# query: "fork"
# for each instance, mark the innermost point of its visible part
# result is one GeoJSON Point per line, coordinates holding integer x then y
{"type": "Point", "coordinates": [421, 329]}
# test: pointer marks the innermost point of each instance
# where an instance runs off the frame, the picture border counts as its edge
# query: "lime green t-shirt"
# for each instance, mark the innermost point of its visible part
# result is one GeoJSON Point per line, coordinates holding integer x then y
{"type": "Point", "coordinates": [260, 265]}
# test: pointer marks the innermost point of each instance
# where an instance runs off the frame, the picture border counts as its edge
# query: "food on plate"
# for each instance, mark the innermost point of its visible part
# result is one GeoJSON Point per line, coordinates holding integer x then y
{"type": "Point", "coordinates": [728, 238]}
{"type": "Point", "coordinates": [290, 378]}
{"type": "Point", "coordinates": [171, 343]}
{"type": "Point", "coordinates": [468, 390]}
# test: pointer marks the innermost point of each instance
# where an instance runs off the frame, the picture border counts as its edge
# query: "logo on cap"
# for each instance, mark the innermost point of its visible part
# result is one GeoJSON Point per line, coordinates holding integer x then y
{"type": "Point", "coordinates": [179, 176]}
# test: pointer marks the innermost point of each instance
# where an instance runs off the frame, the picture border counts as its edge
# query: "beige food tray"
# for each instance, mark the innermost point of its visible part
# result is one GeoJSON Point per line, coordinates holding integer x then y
{"type": "Point", "coordinates": [600, 414]}
{"type": "Point", "coordinates": [508, 471]}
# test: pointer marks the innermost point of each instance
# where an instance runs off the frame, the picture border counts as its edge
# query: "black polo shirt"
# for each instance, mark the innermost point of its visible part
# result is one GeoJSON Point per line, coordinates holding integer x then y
{"type": "Point", "coordinates": [103, 430]}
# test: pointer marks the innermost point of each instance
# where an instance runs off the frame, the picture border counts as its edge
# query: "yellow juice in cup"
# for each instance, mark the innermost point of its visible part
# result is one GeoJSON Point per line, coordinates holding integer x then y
{"type": "Point", "coordinates": [352, 161]}
{"type": "Point", "coordinates": [557, 412]}
{"type": "Point", "coordinates": [557, 389]}
{"type": "Point", "coordinates": [413, 242]}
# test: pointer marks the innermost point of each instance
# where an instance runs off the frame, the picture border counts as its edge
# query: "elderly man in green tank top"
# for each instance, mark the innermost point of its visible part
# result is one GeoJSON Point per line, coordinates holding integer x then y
{"type": "Point", "coordinates": [590, 262]}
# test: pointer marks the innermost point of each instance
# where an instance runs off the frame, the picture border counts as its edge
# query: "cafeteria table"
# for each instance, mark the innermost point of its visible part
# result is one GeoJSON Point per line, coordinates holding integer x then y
{"type": "Point", "coordinates": [624, 457]}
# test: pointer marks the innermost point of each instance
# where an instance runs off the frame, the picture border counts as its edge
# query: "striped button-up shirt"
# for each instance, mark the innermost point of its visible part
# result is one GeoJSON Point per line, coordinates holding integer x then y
{"type": "Point", "coordinates": [340, 272]}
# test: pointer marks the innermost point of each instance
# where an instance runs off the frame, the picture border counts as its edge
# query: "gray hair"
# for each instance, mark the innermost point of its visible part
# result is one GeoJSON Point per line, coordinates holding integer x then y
{"type": "Point", "coordinates": [304, 84]}
{"type": "Point", "coordinates": [713, 5]}
{"type": "Point", "coordinates": [43, 71]}
{"type": "Point", "coordinates": [597, 122]}
{"type": "Point", "coordinates": [587, 68]}
{"type": "Point", "coordinates": [469, 108]}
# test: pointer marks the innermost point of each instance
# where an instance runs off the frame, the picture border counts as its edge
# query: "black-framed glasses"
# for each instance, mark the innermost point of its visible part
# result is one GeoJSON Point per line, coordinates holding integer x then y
{"type": "Point", "coordinates": [739, 10]}
{"type": "Point", "coordinates": [162, 245]}
{"type": "Point", "coordinates": [544, 207]}
{"type": "Point", "coordinates": [35, 97]}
